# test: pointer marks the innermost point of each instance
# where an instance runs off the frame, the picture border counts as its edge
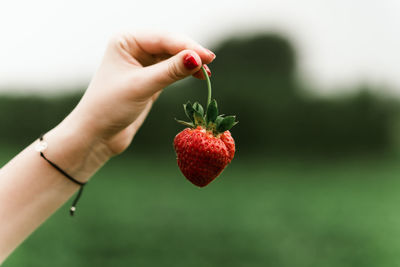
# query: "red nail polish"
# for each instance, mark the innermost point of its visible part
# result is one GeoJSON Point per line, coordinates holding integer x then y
{"type": "Point", "coordinates": [190, 62]}
{"type": "Point", "coordinates": [211, 53]}
{"type": "Point", "coordinates": [207, 70]}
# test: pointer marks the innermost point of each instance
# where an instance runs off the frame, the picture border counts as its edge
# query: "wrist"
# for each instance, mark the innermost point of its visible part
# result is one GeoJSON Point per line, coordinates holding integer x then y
{"type": "Point", "coordinates": [76, 150]}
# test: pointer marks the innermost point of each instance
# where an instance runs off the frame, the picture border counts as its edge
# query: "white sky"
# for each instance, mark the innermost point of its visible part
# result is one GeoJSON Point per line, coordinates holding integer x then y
{"type": "Point", "coordinates": [54, 44]}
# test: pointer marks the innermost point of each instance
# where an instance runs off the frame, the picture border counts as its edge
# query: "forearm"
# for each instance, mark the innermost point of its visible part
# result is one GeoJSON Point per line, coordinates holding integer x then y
{"type": "Point", "coordinates": [31, 189]}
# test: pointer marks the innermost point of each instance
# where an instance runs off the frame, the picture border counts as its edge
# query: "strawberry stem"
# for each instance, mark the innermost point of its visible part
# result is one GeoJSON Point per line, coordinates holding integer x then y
{"type": "Point", "coordinates": [208, 86]}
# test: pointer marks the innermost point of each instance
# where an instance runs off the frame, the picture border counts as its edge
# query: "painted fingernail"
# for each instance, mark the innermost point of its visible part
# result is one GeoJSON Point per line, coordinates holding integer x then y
{"type": "Point", "coordinates": [190, 62]}
{"type": "Point", "coordinates": [207, 70]}
{"type": "Point", "coordinates": [211, 53]}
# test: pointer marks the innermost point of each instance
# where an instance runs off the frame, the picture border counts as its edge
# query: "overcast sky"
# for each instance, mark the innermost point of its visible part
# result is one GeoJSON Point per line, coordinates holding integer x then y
{"type": "Point", "coordinates": [50, 44]}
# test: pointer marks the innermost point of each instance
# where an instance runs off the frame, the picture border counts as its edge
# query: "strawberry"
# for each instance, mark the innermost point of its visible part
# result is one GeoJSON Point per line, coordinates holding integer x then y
{"type": "Point", "coordinates": [205, 148]}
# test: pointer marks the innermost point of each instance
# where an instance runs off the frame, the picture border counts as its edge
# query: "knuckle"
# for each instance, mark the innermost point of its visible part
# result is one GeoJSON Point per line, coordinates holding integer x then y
{"type": "Point", "coordinates": [174, 72]}
{"type": "Point", "coordinates": [118, 40]}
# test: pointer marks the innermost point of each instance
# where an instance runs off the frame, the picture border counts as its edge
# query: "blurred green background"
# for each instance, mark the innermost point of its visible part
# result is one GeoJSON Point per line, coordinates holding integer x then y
{"type": "Point", "coordinates": [314, 181]}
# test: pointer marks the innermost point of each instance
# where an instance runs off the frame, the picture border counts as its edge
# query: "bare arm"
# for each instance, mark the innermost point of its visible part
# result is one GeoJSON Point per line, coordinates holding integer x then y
{"type": "Point", "coordinates": [135, 68]}
{"type": "Point", "coordinates": [31, 189]}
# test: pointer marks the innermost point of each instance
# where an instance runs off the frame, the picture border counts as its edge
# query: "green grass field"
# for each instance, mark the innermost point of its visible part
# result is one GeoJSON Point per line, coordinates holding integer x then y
{"type": "Point", "coordinates": [258, 213]}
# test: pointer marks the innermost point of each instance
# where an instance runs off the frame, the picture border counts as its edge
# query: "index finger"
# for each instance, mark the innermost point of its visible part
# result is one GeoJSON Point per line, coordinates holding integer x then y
{"type": "Point", "coordinates": [156, 42]}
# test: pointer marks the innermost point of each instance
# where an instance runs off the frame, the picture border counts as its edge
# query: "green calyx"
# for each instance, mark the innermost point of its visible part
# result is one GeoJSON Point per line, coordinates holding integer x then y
{"type": "Point", "coordinates": [208, 119]}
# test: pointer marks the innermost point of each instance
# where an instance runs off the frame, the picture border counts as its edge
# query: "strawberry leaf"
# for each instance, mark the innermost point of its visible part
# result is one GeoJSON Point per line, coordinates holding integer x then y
{"type": "Point", "coordinates": [189, 124]}
{"type": "Point", "coordinates": [198, 118]}
{"type": "Point", "coordinates": [189, 110]}
{"type": "Point", "coordinates": [212, 111]}
{"type": "Point", "coordinates": [218, 120]}
{"type": "Point", "coordinates": [226, 124]}
{"type": "Point", "coordinates": [199, 108]}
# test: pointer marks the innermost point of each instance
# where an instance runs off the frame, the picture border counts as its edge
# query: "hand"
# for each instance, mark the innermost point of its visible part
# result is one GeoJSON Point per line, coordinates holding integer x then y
{"type": "Point", "coordinates": [135, 69]}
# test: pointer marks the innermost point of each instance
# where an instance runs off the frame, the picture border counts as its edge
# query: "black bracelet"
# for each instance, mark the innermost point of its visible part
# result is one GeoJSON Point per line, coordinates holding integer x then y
{"type": "Point", "coordinates": [42, 146]}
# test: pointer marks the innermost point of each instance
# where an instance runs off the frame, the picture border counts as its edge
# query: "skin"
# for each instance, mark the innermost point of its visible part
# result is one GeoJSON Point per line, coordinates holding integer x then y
{"type": "Point", "coordinates": [135, 69]}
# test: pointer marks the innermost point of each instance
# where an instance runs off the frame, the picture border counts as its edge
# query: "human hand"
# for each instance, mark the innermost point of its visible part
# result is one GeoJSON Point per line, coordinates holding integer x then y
{"type": "Point", "coordinates": [135, 69]}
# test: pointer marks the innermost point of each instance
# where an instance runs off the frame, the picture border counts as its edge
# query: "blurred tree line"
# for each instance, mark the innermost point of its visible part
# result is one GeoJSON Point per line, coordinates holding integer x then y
{"type": "Point", "coordinates": [253, 78]}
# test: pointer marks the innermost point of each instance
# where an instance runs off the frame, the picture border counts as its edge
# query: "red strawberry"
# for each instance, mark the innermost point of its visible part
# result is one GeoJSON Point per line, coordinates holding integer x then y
{"type": "Point", "coordinates": [227, 138]}
{"type": "Point", "coordinates": [203, 156]}
{"type": "Point", "coordinates": [207, 147]}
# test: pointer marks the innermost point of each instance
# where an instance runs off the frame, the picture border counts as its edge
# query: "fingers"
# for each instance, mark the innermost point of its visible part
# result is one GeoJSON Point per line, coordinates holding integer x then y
{"type": "Point", "coordinates": [200, 75]}
{"type": "Point", "coordinates": [155, 43]}
{"type": "Point", "coordinates": [156, 77]}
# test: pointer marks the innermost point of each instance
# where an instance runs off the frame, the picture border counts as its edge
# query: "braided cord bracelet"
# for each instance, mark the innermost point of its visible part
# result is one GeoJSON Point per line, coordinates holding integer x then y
{"type": "Point", "coordinates": [42, 146]}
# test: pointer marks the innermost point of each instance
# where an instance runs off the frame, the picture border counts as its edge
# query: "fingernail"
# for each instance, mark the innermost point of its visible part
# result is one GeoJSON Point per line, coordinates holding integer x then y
{"type": "Point", "coordinates": [207, 70]}
{"type": "Point", "coordinates": [210, 53]}
{"type": "Point", "coordinates": [190, 62]}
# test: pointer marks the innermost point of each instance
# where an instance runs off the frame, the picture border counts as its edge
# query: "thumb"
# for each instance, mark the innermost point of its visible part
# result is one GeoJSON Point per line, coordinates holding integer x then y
{"type": "Point", "coordinates": [164, 73]}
